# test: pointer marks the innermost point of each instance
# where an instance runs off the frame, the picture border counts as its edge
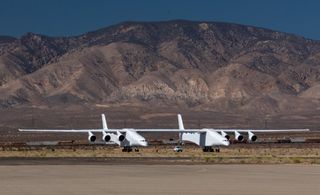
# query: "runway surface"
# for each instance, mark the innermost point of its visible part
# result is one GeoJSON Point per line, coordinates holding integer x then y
{"type": "Point", "coordinates": [159, 179]}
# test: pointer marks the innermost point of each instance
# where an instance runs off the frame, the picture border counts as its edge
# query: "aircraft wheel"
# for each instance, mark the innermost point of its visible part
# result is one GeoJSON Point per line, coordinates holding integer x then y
{"type": "Point", "coordinates": [207, 149]}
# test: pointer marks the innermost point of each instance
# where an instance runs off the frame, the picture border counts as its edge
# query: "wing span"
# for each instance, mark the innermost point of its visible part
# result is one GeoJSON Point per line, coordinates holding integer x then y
{"type": "Point", "coordinates": [163, 130]}
{"type": "Point", "coordinates": [110, 130]}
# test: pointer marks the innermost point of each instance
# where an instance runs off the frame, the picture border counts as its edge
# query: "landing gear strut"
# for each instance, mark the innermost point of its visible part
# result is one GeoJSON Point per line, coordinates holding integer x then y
{"type": "Point", "coordinates": [210, 149]}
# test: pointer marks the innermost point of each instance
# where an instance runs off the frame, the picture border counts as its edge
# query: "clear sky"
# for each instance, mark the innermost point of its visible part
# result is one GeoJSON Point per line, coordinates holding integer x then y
{"type": "Point", "coordinates": [74, 17]}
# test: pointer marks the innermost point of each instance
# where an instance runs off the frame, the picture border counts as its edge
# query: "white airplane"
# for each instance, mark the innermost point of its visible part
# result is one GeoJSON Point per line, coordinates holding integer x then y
{"type": "Point", "coordinates": [128, 138]}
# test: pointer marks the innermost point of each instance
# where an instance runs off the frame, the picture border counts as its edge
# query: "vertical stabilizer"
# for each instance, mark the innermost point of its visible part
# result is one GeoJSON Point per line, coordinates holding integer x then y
{"type": "Point", "coordinates": [181, 127]}
{"type": "Point", "coordinates": [104, 121]}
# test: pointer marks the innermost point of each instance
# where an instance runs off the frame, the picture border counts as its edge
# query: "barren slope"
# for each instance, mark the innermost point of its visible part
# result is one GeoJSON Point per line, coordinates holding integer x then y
{"type": "Point", "coordinates": [197, 65]}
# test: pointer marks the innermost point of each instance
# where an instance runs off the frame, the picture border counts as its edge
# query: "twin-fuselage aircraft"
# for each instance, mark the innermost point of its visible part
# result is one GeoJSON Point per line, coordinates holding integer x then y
{"type": "Point", "coordinates": [208, 139]}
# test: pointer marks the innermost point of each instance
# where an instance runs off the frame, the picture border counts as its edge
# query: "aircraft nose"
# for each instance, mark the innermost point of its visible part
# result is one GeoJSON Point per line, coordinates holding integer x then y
{"type": "Point", "coordinates": [225, 142]}
{"type": "Point", "coordinates": [144, 143]}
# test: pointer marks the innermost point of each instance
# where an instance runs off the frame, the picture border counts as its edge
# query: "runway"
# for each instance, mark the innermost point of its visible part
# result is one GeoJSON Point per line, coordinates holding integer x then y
{"type": "Point", "coordinates": [159, 179]}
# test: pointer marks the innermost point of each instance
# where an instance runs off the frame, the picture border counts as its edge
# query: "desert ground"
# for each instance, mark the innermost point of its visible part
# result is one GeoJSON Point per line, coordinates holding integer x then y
{"type": "Point", "coordinates": [160, 179]}
{"type": "Point", "coordinates": [290, 153]}
{"type": "Point", "coordinates": [258, 168]}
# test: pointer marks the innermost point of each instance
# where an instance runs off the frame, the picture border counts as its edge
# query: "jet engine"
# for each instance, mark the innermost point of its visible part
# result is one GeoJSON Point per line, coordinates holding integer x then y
{"type": "Point", "coordinates": [224, 134]}
{"type": "Point", "coordinates": [106, 137]}
{"type": "Point", "coordinates": [238, 136]}
{"type": "Point", "coordinates": [121, 137]}
{"type": "Point", "coordinates": [91, 137]}
{"type": "Point", "coordinates": [252, 137]}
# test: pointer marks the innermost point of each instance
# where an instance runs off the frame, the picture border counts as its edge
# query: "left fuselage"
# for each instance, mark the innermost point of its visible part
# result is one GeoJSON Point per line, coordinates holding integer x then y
{"type": "Point", "coordinates": [132, 138]}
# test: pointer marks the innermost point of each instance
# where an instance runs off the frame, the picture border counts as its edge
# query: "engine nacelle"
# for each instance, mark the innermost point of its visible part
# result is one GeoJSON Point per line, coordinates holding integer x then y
{"type": "Point", "coordinates": [121, 137]}
{"type": "Point", "coordinates": [91, 137]}
{"type": "Point", "coordinates": [106, 137]}
{"type": "Point", "coordinates": [238, 136]}
{"type": "Point", "coordinates": [224, 134]}
{"type": "Point", "coordinates": [252, 137]}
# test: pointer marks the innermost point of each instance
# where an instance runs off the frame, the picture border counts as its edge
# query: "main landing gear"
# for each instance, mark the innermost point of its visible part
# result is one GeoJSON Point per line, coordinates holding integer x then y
{"type": "Point", "coordinates": [129, 149]}
{"type": "Point", "coordinates": [210, 149]}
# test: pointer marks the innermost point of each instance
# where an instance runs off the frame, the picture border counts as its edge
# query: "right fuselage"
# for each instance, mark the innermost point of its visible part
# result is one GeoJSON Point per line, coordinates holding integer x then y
{"type": "Point", "coordinates": [207, 138]}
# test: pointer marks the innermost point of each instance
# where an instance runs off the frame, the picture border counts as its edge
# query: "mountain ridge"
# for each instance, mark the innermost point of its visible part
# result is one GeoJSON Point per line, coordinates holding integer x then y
{"type": "Point", "coordinates": [208, 65]}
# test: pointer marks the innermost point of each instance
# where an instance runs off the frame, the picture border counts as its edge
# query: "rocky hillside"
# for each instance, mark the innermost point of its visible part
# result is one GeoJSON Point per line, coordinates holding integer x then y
{"type": "Point", "coordinates": [197, 65]}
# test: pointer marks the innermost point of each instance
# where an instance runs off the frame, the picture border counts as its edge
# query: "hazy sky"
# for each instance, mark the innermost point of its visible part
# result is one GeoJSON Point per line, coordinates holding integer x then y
{"type": "Point", "coordinates": [73, 17]}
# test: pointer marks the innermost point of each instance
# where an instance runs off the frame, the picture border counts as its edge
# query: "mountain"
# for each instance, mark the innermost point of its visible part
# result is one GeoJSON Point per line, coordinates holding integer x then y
{"type": "Point", "coordinates": [195, 65]}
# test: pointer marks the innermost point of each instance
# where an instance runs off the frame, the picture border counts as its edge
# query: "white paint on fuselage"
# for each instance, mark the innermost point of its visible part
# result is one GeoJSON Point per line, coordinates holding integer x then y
{"type": "Point", "coordinates": [207, 138]}
{"type": "Point", "coordinates": [133, 139]}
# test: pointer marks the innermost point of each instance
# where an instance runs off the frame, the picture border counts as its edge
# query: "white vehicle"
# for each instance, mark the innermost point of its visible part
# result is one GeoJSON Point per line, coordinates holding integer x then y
{"type": "Point", "coordinates": [178, 149]}
{"type": "Point", "coordinates": [128, 138]}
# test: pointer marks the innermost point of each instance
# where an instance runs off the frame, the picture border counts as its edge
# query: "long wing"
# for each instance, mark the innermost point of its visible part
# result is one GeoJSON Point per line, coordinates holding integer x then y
{"type": "Point", "coordinates": [108, 130]}
{"type": "Point", "coordinates": [163, 130]}
{"type": "Point", "coordinates": [180, 130]}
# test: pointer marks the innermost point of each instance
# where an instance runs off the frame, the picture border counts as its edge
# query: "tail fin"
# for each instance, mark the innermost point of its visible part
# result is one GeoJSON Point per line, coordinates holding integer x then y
{"type": "Point", "coordinates": [104, 122]}
{"type": "Point", "coordinates": [180, 122]}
